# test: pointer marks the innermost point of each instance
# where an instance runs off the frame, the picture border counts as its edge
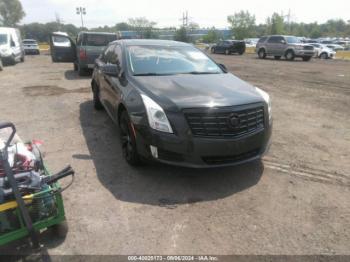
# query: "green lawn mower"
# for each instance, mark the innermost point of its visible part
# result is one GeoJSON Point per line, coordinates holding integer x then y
{"type": "Point", "coordinates": [30, 197]}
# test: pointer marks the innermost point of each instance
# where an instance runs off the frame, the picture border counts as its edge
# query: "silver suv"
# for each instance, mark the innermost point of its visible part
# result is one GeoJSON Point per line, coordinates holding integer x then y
{"type": "Point", "coordinates": [288, 46]}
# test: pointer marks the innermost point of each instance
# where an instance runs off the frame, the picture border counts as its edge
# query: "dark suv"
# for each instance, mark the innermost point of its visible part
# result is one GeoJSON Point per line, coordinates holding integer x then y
{"type": "Point", "coordinates": [82, 52]}
{"type": "Point", "coordinates": [176, 105]}
{"type": "Point", "coordinates": [228, 47]}
{"type": "Point", "coordinates": [289, 47]}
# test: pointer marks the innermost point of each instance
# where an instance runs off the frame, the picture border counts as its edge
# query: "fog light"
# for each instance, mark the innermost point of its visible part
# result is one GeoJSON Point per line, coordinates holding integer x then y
{"type": "Point", "coordinates": [154, 151]}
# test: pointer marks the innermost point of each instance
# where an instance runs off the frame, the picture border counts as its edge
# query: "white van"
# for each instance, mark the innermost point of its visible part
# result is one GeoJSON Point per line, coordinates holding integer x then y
{"type": "Point", "coordinates": [11, 46]}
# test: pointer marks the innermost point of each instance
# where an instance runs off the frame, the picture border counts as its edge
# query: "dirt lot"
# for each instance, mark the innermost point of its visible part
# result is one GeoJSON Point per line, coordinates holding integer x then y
{"type": "Point", "coordinates": [295, 202]}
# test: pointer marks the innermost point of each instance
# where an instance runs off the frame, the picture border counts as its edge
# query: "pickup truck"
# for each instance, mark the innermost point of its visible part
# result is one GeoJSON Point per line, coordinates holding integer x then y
{"type": "Point", "coordinates": [82, 52]}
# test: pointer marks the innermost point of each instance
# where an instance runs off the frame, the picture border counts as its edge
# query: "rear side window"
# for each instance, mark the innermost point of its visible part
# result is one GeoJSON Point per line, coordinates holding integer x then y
{"type": "Point", "coordinates": [98, 39]}
{"type": "Point", "coordinates": [275, 39]}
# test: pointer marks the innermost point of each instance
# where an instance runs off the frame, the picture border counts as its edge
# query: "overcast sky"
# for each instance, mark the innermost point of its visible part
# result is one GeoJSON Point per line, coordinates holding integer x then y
{"type": "Point", "coordinates": [168, 13]}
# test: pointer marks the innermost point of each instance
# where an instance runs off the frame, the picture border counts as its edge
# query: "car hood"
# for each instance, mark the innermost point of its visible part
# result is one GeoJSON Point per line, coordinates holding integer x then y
{"type": "Point", "coordinates": [177, 92]}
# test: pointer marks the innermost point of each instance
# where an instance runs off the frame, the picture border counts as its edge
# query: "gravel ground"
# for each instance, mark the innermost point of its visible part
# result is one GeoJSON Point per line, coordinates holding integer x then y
{"type": "Point", "coordinates": [296, 201]}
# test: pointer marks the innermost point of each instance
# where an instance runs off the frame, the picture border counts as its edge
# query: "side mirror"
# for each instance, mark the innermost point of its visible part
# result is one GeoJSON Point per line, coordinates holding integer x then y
{"type": "Point", "coordinates": [223, 67]}
{"type": "Point", "coordinates": [110, 70]}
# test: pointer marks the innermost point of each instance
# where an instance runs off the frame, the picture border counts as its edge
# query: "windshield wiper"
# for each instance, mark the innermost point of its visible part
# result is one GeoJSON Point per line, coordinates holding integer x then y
{"type": "Point", "coordinates": [151, 74]}
{"type": "Point", "coordinates": [201, 73]}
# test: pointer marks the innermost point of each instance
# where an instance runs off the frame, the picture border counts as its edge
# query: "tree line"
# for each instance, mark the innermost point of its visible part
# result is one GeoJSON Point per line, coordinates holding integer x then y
{"type": "Point", "coordinates": [243, 25]}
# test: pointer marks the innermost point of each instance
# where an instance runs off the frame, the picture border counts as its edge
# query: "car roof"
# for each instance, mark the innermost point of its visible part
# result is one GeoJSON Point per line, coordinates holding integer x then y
{"type": "Point", "coordinates": [129, 42]}
{"type": "Point", "coordinates": [96, 33]}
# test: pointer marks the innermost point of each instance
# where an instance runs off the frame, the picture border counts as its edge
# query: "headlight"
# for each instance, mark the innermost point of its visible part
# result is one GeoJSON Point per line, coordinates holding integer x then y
{"type": "Point", "coordinates": [267, 100]}
{"type": "Point", "coordinates": [5, 51]}
{"type": "Point", "coordinates": [157, 119]}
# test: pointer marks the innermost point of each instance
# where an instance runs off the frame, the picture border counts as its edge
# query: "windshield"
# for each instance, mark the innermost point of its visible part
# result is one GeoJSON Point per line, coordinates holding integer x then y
{"type": "Point", "coordinates": [292, 40]}
{"type": "Point", "coordinates": [3, 39]}
{"type": "Point", "coordinates": [99, 39]}
{"type": "Point", "coordinates": [169, 60]}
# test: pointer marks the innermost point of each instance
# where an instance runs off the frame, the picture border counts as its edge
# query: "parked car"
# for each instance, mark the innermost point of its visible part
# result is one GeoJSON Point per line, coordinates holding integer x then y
{"type": "Point", "coordinates": [323, 52]}
{"type": "Point", "coordinates": [229, 47]}
{"type": "Point", "coordinates": [251, 42]}
{"type": "Point", "coordinates": [288, 46]}
{"type": "Point", "coordinates": [82, 52]}
{"type": "Point", "coordinates": [176, 105]}
{"type": "Point", "coordinates": [336, 47]}
{"type": "Point", "coordinates": [31, 47]}
{"type": "Point", "coordinates": [11, 45]}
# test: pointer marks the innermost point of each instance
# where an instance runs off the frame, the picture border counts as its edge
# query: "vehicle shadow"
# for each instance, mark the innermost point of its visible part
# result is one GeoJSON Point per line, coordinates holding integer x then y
{"type": "Point", "coordinates": [156, 184]}
{"type": "Point", "coordinates": [282, 59]}
{"type": "Point", "coordinates": [73, 75]}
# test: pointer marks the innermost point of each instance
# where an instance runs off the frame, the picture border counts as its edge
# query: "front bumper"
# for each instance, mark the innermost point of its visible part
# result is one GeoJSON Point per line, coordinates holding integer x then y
{"type": "Point", "coordinates": [197, 152]}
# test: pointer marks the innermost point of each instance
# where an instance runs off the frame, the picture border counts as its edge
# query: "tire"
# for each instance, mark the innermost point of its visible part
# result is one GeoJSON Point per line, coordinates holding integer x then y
{"type": "Point", "coordinates": [81, 71]}
{"type": "Point", "coordinates": [212, 50]}
{"type": "Point", "coordinates": [22, 58]}
{"type": "Point", "coordinates": [306, 58]}
{"type": "Point", "coordinates": [241, 52]}
{"type": "Point", "coordinates": [75, 67]}
{"type": "Point", "coordinates": [128, 141]}
{"type": "Point", "coordinates": [290, 56]}
{"type": "Point", "coordinates": [277, 57]}
{"type": "Point", "coordinates": [96, 97]}
{"type": "Point", "coordinates": [1, 65]}
{"type": "Point", "coordinates": [323, 56]}
{"type": "Point", "coordinates": [227, 52]}
{"type": "Point", "coordinates": [262, 54]}
{"type": "Point", "coordinates": [12, 60]}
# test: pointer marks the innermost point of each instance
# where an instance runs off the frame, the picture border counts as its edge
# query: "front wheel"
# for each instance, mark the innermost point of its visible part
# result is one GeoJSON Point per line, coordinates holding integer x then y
{"type": "Point", "coordinates": [128, 140]}
{"type": "Point", "coordinates": [22, 58]}
{"type": "Point", "coordinates": [290, 55]}
{"type": "Point", "coordinates": [96, 97]}
{"type": "Point", "coordinates": [306, 58]}
{"type": "Point", "coordinates": [1, 65]}
{"type": "Point", "coordinates": [262, 54]}
{"type": "Point", "coordinates": [212, 50]}
{"type": "Point", "coordinates": [324, 56]}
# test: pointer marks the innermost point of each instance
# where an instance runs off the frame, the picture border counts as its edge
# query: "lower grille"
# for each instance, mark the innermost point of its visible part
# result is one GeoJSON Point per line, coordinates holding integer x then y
{"type": "Point", "coordinates": [228, 122]}
{"type": "Point", "coordinates": [221, 160]}
{"type": "Point", "coordinates": [169, 156]}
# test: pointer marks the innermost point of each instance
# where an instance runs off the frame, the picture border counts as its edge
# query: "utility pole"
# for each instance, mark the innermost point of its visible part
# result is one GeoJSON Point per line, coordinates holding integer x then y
{"type": "Point", "coordinates": [184, 19]}
{"type": "Point", "coordinates": [81, 11]}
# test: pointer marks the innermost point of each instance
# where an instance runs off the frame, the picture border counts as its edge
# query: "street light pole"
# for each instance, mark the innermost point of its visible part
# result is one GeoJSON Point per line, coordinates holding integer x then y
{"type": "Point", "coordinates": [81, 11]}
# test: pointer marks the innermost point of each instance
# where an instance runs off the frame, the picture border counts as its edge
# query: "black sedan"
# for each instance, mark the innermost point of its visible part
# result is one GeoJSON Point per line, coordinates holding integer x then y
{"type": "Point", "coordinates": [175, 105]}
{"type": "Point", "coordinates": [228, 47]}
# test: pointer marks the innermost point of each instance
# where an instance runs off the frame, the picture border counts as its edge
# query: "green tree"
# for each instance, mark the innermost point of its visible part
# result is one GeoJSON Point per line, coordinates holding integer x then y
{"type": "Point", "coordinates": [275, 24]}
{"type": "Point", "coordinates": [242, 24]}
{"type": "Point", "coordinates": [122, 27]}
{"type": "Point", "coordinates": [212, 36]}
{"type": "Point", "coordinates": [11, 12]}
{"type": "Point", "coordinates": [182, 35]}
{"type": "Point", "coordinates": [142, 26]}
